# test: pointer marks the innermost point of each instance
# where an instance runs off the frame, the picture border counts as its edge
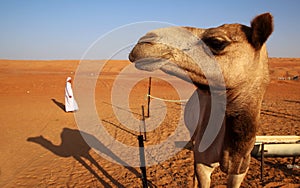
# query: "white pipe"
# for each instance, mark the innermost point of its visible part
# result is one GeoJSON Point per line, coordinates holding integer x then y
{"type": "Point", "coordinates": [277, 150]}
{"type": "Point", "coordinates": [277, 146]}
{"type": "Point", "coordinates": [278, 139]}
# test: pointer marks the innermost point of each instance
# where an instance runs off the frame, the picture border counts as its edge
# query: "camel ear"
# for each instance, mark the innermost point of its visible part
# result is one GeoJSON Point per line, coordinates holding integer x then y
{"type": "Point", "coordinates": [262, 27]}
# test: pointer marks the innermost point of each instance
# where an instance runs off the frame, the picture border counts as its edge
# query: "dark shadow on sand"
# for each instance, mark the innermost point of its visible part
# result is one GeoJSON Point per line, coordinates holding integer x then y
{"type": "Point", "coordinates": [59, 104]}
{"type": "Point", "coordinates": [73, 145]}
{"type": "Point", "coordinates": [120, 127]}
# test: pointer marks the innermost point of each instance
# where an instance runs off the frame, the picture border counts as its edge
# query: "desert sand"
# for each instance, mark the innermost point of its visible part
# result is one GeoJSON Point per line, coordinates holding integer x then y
{"type": "Point", "coordinates": [32, 112]}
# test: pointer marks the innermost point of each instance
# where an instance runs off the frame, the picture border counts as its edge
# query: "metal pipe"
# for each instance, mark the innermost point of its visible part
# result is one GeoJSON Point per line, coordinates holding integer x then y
{"type": "Point", "coordinates": [278, 139]}
{"type": "Point", "coordinates": [277, 146]}
{"type": "Point", "coordinates": [276, 150]}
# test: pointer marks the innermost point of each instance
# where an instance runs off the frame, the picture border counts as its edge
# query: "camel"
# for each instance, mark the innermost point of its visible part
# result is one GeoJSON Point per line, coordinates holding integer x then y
{"type": "Point", "coordinates": [241, 55]}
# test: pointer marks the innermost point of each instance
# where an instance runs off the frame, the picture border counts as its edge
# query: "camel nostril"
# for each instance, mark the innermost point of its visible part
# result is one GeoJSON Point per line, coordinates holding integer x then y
{"type": "Point", "coordinates": [131, 56]}
{"type": "Point", "coordinates": [148, 38]}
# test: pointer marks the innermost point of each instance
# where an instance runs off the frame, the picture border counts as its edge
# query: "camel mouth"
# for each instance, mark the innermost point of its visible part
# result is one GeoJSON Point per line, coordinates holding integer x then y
{"type": "Point", "coordinates": [161, 60]}
{"type": "Point", "coordinates": [191, 75]}
{"type": "Point", "coordinates": [151, 64]}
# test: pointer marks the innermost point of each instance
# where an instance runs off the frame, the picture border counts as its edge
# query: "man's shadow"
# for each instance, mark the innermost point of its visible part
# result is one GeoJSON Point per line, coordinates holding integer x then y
{"type": "Point", "coordinates": [73, 145]}
{"type": "Point", "coordinates": [59, 104]}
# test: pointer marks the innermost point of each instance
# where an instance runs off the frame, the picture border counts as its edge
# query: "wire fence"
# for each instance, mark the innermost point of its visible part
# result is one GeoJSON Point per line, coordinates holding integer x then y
{"type": "Point", "coordinates": [168, 100]}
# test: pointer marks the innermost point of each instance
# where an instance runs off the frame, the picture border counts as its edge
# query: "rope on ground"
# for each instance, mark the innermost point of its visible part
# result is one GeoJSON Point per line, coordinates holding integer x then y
{"type": "Point", "coordinates": [167, 100]}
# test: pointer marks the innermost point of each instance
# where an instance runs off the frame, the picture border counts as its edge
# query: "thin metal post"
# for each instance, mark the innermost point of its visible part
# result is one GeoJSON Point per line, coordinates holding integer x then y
{"type": "Point", "coordinates": [142, 161]}
{"type": "Point", "coordinates": [148, 97]}
{"type": "Point", "coordinates": [294, 160]}
{"type": "Point", "coordinates": [262, 158]}
{"type": "Point", "coordinates": [143, 122]}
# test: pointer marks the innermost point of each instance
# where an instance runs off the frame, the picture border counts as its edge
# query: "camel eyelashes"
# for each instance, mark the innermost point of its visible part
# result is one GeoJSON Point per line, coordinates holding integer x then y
{"type": "Point", "coordinates": [216, 45]}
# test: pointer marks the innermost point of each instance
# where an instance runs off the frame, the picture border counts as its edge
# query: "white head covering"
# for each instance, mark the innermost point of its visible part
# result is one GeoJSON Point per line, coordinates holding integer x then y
{"type": "Point", "coordinates": [69, 78]}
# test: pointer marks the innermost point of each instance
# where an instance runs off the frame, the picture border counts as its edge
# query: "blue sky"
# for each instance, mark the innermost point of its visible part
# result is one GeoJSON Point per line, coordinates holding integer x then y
{"type": "Point", "coordinates": [69, 29]}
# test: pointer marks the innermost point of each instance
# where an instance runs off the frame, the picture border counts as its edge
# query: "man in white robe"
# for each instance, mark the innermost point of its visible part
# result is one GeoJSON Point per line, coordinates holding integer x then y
{"type": "Point", "coordinates": [70, 103]}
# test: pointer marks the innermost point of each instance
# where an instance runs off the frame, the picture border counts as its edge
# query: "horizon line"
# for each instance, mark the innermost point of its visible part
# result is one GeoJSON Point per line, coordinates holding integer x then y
{"type": "Point", "coordinates": [66, 59]}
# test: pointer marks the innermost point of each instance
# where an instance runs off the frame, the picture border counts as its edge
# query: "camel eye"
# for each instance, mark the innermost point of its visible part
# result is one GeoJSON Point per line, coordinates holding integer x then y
{"type": "Point", "coordinates": [216, 45]}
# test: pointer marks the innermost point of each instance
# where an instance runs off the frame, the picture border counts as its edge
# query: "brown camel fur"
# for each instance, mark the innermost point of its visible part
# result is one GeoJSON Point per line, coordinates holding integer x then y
{"type": "Point", "coordinates": [241, 55]}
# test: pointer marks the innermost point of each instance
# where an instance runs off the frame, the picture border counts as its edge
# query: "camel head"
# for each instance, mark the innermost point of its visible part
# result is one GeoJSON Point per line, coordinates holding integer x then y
{"type": "Point", "coordinates": [194, 54]}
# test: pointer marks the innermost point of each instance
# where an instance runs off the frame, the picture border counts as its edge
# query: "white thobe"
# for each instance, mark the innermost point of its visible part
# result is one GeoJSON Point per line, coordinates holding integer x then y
{"type": "Point", "coordinates": [70, 103]}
